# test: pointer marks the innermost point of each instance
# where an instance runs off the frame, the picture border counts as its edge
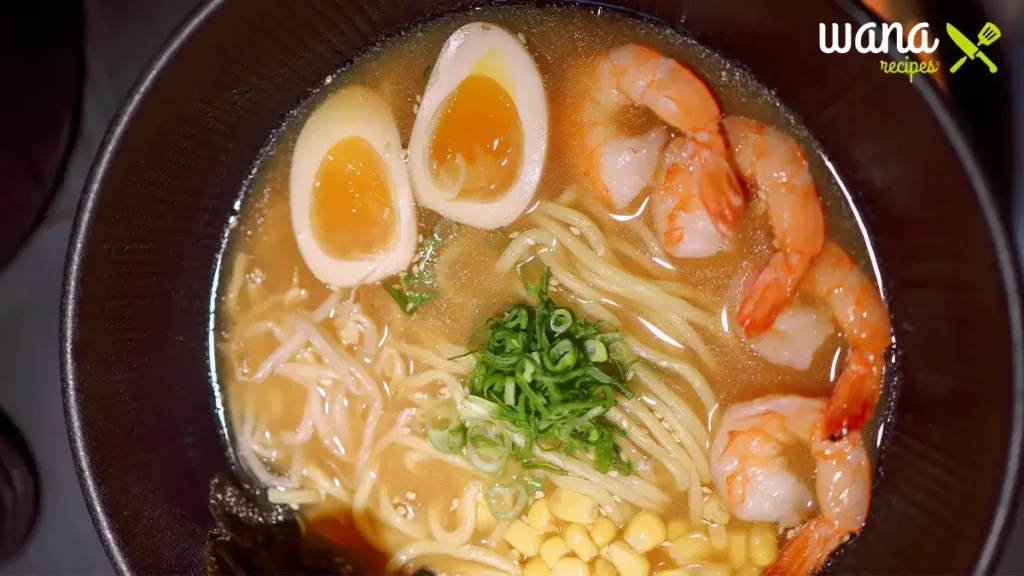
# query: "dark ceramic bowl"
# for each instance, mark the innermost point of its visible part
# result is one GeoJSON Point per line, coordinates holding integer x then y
{"type": "Point", "coordinates": [136, 311]}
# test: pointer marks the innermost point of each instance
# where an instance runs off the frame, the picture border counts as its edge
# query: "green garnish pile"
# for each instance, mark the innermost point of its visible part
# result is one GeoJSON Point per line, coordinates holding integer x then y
{"type": "Point", "coordinates": [554, 376]}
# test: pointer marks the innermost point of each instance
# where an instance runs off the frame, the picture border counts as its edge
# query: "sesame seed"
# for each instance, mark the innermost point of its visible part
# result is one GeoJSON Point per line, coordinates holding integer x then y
{"type": "Point", "coordinates": [614, 473]}
{"type": "Point", "coordinates": [513, 235]}
{"type": "Point", "coordinates": [410, 495]}
{"type": "Point", "coordinates": [419, 238]}
{"type": "Point", "coordinates": [665, 425]}
{"type": "Point", "coordinates": [530, 242]}
{"type": "Point", "coordinates": [575, 231]}
{"type": "Point", "coordinates": [328, 79]}
{"type": "Point", "coordinates": [554, 282]}
{"type": "Point", "coordinates": [455, 502]}
{"type": "Point", "coordinates": [705, 489]}
{"type": "Point", "coordinates": [419, 98]}
{"type": "Point", "coordinates": [415, 108]}
{"type": "Point", "coordinates": [522, 37]}
{"type": "Point", "coordinates": [617, 500]}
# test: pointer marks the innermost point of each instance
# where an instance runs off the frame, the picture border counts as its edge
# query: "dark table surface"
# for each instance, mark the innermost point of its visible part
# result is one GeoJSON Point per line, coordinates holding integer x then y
{"type": "Point", "coordinates": [122, 36]}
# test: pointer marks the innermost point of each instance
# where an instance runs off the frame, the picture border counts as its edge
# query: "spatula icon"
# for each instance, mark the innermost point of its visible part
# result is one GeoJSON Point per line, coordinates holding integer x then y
{"type": "Point", "coordinates": [989, 34]}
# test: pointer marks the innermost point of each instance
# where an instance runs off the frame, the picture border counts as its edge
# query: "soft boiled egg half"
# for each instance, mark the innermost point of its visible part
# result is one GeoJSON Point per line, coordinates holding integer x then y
{"type": "Point", "coordinates": [352, 210]}
{"type": "Point", "coordinates": [478, 144]}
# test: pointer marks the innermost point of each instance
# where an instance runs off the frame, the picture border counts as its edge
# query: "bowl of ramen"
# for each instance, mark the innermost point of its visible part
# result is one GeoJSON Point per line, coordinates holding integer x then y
{"type": "Point", "coordinates": [527, 288]}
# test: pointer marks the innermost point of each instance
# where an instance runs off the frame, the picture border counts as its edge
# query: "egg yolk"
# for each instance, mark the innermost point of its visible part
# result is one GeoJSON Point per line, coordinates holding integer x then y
{"type": "Point", "coordinates": [477, 145]}
{"type": "Point", "coordinates": [351, 210]}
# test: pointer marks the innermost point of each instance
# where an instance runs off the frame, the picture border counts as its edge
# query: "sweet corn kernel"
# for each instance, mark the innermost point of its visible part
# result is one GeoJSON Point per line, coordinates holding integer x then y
{"type": "Point", "coordinates": [603, 567]}
{"type": "Point", "coordinates": [579, 542]}
{"type": "Point", "coordinates": [692, 547]}
{"type": "Point", "coordinates": [714, 510]}
{"type": "Point", "coordinates": [626, 560]}
{"type": "Point", "coordinates": [539, 516]}
{"type": "Point", "coordinates": [573, 507]}
{"type": "Point", "coordinates": [712, 569]}
{"type": "Point", "coordinates": [719, 536]}
{"type": "Point", "coordinates": [645, 531]}
{"type": "Point", "coordinates": [737, 547]}
{"type": "Point", "coordinates": [569, 566]}
{"type": "Point", "coordinates": [747, 570]}
{"type": "Point", "coordinates": [676, 528]}
{"type": "Point", "coordinates": [764, 545]}
{"type": "Point", "coordinates": [602, 531]}
{"type": "Point", "coordinates": [552, 549]}
{"type": "Point", "coordinates": [523, 538]}
{"type": "Point", "coordinates": [484, 519]}
{"type": "Point", "coordinates": [536, 567]}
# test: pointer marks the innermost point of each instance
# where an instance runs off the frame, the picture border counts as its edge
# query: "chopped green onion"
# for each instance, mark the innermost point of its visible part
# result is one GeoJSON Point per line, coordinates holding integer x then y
{"type": "Point", "coordinates": [507, 499]}
{"type": "Point", "coordinates": [526, 370]}
{"type": "Point", "coordinates": [510, 390]}
{"type": "Point", "coordinates": [408, 300]}
{"type": "Point", "coordinates": [517, 318]}
{"type": "Point", "coordinates": [411, 291]}
{"type": "Point", "coordinates": [596, 352]}
{"type": "Point", "coordinates": [444, 428]}
{"type": "Point", "coordinates": [560, 357]}
{"type": "Point", "coordinates": [550, 376]}
{"type": "Point", "coordinates": [534, 465]}
{"type": "Point", "coordinates": [475, 407]}
{"type": "Point", "coordinates": [560, 321]}
{"type": "Point", "coordinates": [487, 447]}
{"type": "Point", "coordinates": [536, 483]}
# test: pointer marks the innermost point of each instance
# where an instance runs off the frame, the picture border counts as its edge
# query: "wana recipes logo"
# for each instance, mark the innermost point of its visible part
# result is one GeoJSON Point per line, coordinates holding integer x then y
{"type": "Point", "coordinates": [875, 38]}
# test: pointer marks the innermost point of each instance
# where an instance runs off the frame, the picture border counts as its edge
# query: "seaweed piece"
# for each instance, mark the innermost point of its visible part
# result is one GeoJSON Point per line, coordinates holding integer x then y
{"type": "Point", "coordinates": [253, 536]}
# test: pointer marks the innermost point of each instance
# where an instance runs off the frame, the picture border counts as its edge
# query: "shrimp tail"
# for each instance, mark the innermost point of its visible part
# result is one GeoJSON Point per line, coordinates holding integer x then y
{"type": "Point", "coordinates": [720, 189]}
{"type": "Point", "coordinates": [771, 292]}
{"type": "Point", "coordinates": [854, 396]}
{"type": "Point", "coordinates": [808, 549]}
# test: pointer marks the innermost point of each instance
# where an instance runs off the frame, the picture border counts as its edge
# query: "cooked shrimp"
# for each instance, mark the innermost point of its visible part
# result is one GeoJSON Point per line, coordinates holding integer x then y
{"type": "Point", "coordinates": [774, 164]}
{"type": "Point", "coordinates": [749, 468]}
{"type": "Point", "coordinates": [795, 337]}
{"type": "Point", "coordinates": [621, 167]}
{"type": "Point", "coordinates": [858, 309]}
{"type": "Point", "coordinates": [681, 216]}
{"type": "Point", "coordinates": [864, 319]}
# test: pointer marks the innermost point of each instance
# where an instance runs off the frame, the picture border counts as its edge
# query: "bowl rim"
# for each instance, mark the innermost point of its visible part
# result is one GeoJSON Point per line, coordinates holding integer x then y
{"type": "Point", "coordinates": [950, 125]}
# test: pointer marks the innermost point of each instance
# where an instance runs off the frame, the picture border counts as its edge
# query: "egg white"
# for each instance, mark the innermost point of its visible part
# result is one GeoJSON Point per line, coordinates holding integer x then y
{"type": "Point", "coordinates": [511, 66]}
{"type": "Point", "coordinates": [351, 112]}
